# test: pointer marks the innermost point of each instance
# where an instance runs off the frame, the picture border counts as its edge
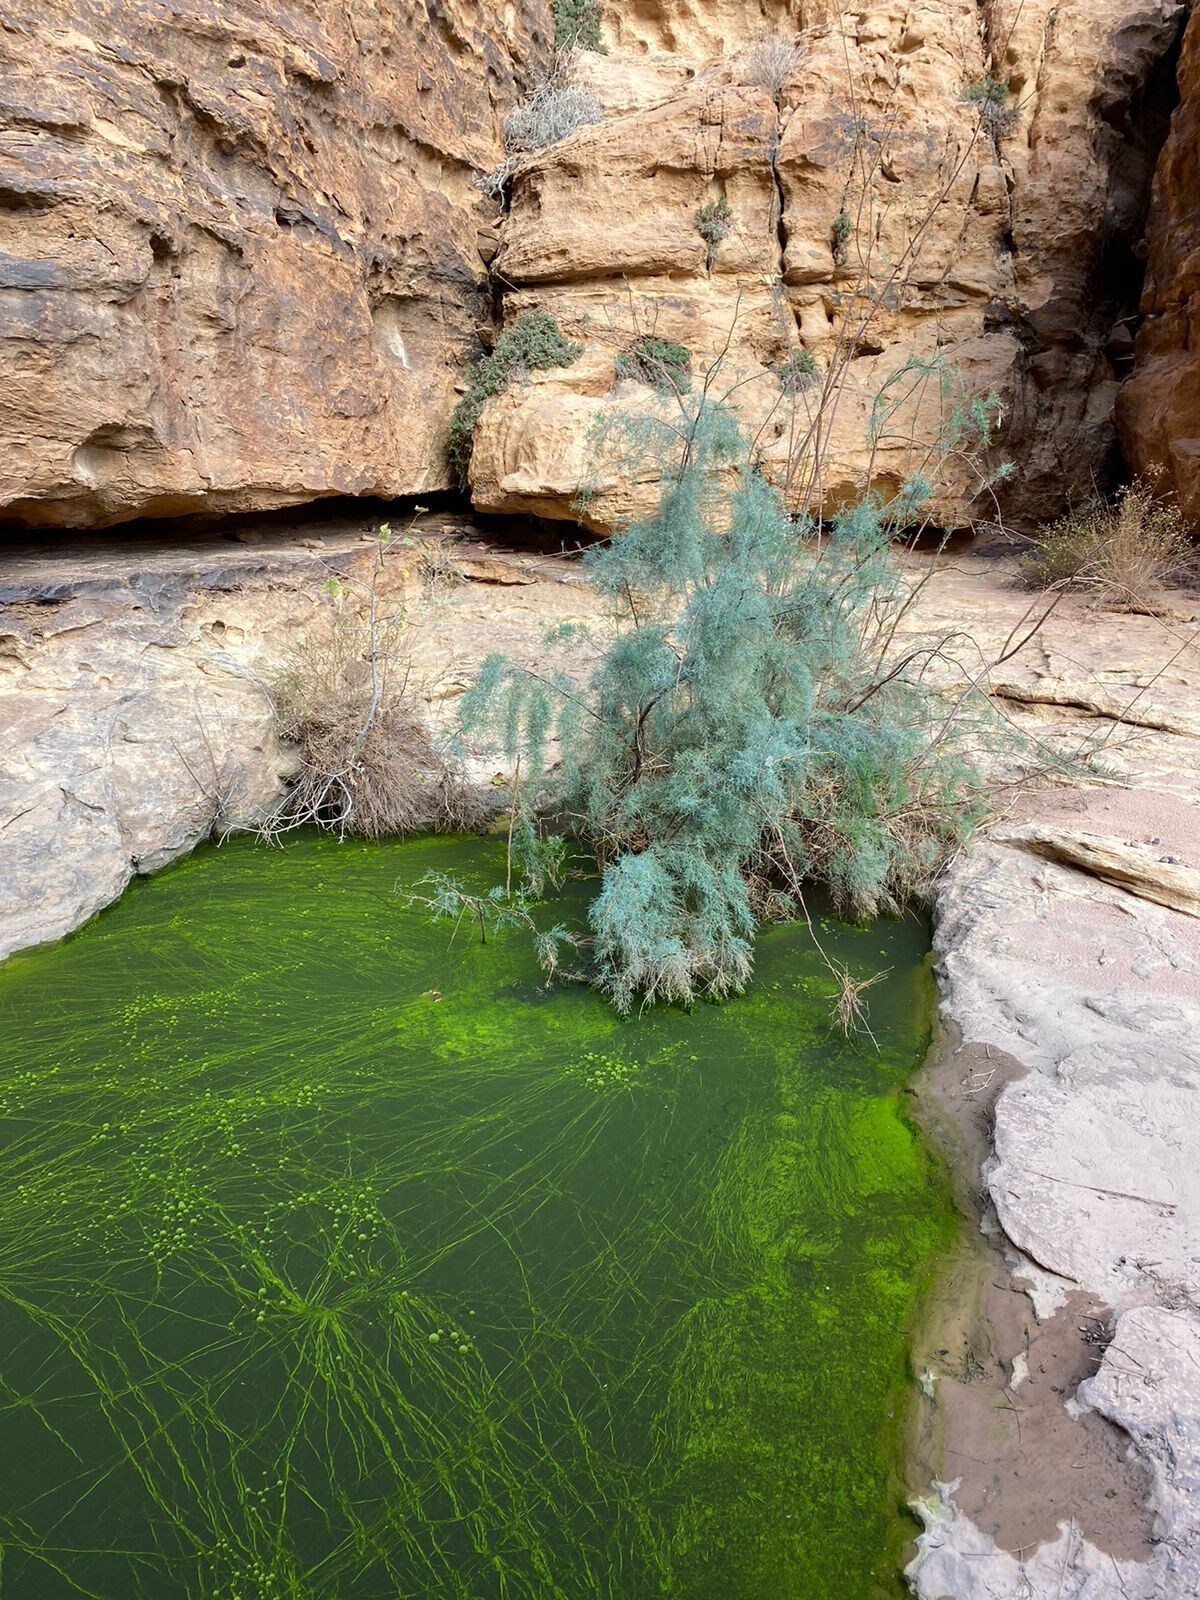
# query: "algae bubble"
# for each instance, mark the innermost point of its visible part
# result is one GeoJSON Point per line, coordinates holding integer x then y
{"type": "Point", "coordinates": [310, 1288]}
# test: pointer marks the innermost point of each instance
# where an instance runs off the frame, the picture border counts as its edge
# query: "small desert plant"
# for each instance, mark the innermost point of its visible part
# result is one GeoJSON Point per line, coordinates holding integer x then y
{"type": "Point", "coordinates": [577, 25]}
{"type": "Point", "coordinates": [798, 373]}
{"type": "Point", "coordinates": [713, 222]}
{"type": "Point", "coordinates": [839, 238]}
{"type": "Point", "coordinates": [1124, 552]}
{"type": "Point", "coordinates": [992, 96]}
{"type": "Point", "coordinates": [533, 343]}
{"type": "Point", "coordinates": [435, 565]}
{"type": "Point", "coordinates": [770, 62]}
{"type": "Point", "coordinates": [368, 766]}
{"type": "Point", "coordinates": [663, 365]}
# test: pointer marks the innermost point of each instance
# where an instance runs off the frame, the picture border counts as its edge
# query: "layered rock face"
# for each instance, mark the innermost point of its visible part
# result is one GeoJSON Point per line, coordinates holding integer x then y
{"type": "Point", "coordinates": [1159, 409]}
{"type": "Point", "coordinates": [1001, 244]}
{"type": "Point", "coordinates": [238, 263]}
{"type": "Point", "coordinates": [240, 259]}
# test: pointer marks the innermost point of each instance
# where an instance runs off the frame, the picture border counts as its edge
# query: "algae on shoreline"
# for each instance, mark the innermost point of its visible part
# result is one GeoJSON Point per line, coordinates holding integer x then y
{"type": "Point", "coordinates": [334, 1261]}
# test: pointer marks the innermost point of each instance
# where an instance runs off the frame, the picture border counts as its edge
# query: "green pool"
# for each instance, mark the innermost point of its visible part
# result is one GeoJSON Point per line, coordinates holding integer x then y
{"type": "Point", "coordinates": [338, 1262]}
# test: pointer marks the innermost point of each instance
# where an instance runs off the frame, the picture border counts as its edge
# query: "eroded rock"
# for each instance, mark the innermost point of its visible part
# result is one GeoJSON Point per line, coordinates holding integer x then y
{"type": "Point", "coordinates": [1159, 407]}
{"type": "Point", "coordinates": [238, 253]}
{"type": "Point", "coordinates": [242, 263]}
{"type": "Point", "coordinates": [1096, 990]}
{"type": "Point", "coordinates": [997, 251]}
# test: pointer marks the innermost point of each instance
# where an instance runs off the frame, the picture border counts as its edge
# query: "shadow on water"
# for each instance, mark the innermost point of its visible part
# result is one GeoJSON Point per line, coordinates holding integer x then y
{"type": "Point", "coordinates": [338, 1262]}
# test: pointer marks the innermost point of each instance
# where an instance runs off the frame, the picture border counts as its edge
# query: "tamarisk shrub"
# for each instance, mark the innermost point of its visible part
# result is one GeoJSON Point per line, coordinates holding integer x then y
{"type": "Point", "coordinates": [747, 730]}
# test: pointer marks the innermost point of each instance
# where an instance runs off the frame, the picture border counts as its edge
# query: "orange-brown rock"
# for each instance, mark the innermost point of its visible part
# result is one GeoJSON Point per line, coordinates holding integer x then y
{"type": "Point", "coordinates": [242, 263]}
{"type": "Point", "coordinates": [238, 254]}
{"type": "Point", "coordinates": [1007, 256]}
{"type": "Point", "coordinates": [1159, 408]}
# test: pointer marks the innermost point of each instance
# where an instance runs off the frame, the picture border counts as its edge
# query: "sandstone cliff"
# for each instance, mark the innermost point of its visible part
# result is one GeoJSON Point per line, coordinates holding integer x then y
{"type": "Point", "coordinates": [1160, 407]}
{"type": "Point", "coordinates": [241, 262]}
{"type": "Point", "coordinates": [1003, 244]}
{"type": "Point", "coordinates": [238, 264]}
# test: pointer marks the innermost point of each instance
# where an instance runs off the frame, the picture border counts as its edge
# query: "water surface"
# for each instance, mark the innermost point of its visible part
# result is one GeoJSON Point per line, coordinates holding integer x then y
{"type": "Point", "coordinates": [340, 1263]}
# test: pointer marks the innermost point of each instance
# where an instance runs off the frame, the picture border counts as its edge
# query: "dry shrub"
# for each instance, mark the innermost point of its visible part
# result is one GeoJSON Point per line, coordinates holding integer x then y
{"type": "Point", "coordinates": [1125, 552]}
{"type": "Point", "coordinates": [552, 112]}
{"type": "Point", "coordinates": [436, 567]}
{"type": "Point", "coordinates": [770, 61]}
{"type": "Point", "coordinates": [555, 109]}
{"type": "Point", "coordinates": [368, 766]}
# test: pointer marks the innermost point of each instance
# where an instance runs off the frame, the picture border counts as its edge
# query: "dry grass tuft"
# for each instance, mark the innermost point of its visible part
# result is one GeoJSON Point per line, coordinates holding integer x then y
{"type": "Point", "coordinates": [1125, 553]}
{"type": "Point", "coordinates": [368, 766]}
{"type": "Point", "coordinates": [770, 62]}
{"type": "Point", "coordinates": [850, 1012]}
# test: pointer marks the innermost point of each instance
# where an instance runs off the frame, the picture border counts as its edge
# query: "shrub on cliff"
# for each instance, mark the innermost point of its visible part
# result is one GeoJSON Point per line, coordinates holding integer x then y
{"type": "Point", "coordinates": [552, 111]}
{"type": "Point", "coordinates": [661, 363]}
{"type": "Point", "coordinates": [770, 60]}
{"type": "Point", "coordinates": [577, 25]}
{"type": "Point", "coordinates": [747, 730]}
{"type": "Point", "coordinates": [534, 342]}
{"type": "Point", "coordinates": [839, 238]}
{"type": "Point", "coordinates": [993, 100]}
{"type": "Point", "coordinates": [799, 372]}
{"type": "Point", "coordinates": [713, 222]}
{"type": "Point", "coordinates": [556, 108]}
{"type": "Point", "coordinates": [1123, 553]}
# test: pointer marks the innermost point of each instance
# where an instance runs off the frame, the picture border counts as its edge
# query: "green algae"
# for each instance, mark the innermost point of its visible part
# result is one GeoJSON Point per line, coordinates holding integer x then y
{"type": "Point", "coordinates": [338, 1263]}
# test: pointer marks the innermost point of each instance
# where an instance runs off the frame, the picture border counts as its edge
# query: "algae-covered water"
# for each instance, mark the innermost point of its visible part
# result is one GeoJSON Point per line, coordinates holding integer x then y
{"type": "Point", "coordinates": [339, 1263]}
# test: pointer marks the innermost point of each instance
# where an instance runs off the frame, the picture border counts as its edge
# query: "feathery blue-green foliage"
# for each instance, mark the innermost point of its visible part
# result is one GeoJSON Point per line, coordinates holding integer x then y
{"type": "Point", "coordinates": [747, 729]}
